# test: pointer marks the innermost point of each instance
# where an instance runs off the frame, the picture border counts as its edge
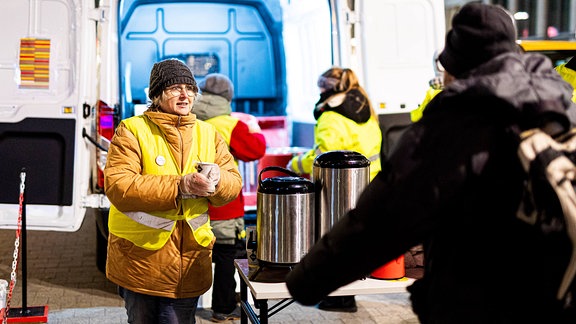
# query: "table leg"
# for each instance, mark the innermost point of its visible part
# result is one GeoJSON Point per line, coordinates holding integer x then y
{"type": "Point", "coordinates": [263, 306]}
{"type": "Point", "coordinates": [247, 310]}
{"type": "Point", "coordinates": [244, 299]}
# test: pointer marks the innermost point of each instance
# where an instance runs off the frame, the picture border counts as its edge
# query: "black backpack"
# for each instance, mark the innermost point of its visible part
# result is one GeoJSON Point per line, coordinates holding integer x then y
{"type": "Point", "coordinates": [549, 200]}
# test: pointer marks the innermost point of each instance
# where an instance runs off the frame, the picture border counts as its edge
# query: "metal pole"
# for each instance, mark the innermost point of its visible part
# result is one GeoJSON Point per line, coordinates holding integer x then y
{"type": "Point", "coordinates": [23, 252]}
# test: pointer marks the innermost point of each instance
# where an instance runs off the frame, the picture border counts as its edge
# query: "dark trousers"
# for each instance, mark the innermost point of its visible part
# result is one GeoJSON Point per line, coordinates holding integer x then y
{"type": "Point", "coordinates": [224, 286]}
{"type": "Point", "coordinates": [146, 309]}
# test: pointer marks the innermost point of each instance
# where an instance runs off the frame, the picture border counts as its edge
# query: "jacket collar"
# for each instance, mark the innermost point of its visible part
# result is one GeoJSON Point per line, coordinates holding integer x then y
{"type": "Point", "coordinates": [163, 119]}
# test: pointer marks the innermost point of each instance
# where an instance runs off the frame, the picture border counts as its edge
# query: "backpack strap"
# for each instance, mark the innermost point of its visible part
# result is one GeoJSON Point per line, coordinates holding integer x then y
{"type": "Point", "coordinates": [544, 158]}
{"type": "Point", "coordinates": [533, 143]}
{"type": "Point", "coordinates": [551, 174]}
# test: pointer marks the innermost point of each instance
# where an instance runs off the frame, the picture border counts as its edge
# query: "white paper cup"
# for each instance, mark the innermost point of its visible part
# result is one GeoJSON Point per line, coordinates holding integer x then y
{"type": "Point", "coordinates": [206, 168]}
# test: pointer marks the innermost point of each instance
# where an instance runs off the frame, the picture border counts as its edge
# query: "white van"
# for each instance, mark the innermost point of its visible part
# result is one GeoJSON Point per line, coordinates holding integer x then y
{"type": "Point", "coordinates": [70, 70]}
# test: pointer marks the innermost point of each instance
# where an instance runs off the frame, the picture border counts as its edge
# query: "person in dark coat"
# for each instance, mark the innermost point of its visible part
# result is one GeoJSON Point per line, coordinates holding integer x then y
{"type": "Point", "coordinates": [454, 183]}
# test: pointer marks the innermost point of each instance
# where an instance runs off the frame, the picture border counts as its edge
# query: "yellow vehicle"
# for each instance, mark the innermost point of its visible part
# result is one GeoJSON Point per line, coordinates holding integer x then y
{"type": "Point", "coordinates": [559, 51]}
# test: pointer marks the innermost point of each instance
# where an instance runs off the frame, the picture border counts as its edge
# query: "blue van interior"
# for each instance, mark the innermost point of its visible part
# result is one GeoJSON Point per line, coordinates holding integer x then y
{"type": "Point", "coordinates": [241, 39]}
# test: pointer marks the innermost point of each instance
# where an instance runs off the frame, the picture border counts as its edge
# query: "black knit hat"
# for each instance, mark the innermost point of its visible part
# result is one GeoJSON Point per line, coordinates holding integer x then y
{"type": "Point", "coordinates": [167, 73]}
{"type": "Point", "coordinates": [479, 33]}
{"type": "Point", "coordinates": [218, 84]}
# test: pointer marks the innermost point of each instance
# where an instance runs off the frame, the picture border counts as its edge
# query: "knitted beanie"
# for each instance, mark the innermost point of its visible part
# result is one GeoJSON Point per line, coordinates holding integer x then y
{"type": "Point", "coordinates": [169, 72]}
{"type": "Point", "coordinates": [217, 84]}
{"type": "Point", "coordinates": [479, 33]}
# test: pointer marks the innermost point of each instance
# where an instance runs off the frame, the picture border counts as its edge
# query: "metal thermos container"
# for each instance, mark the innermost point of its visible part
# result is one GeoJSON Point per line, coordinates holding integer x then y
{"type": "Point", "coordinates": [339, 179]}
{"type": "Point", "coordinates": [284, 217]}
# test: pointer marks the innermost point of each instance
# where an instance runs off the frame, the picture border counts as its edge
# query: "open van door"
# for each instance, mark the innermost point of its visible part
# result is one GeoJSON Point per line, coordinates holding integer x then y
{"type": "Point", "coordinates": [48, 78]}
{"type": "Point", "coordinates": [395, 42]}
{"type": "Point", "coordinates": [398, 43]}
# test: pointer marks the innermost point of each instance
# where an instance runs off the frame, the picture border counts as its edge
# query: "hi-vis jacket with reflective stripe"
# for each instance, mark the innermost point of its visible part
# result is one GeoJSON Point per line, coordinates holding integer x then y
{"type": "Point", "coordinates": [334, 131]}
{"type": "Point", "coordinates": [159, 244]}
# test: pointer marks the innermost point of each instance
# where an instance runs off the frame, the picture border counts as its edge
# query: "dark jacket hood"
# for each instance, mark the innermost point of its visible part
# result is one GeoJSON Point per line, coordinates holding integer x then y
{"type": "Point", "coordinates": [527, 84]}
{"type": "Point", "coordinates": [355, 106]}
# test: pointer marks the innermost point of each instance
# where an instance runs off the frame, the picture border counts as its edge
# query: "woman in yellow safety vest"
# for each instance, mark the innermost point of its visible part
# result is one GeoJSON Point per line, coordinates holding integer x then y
{"type": "Point", "coordinates": [345, 120]}
{"type": "Point", "coordinates": [160, 241]}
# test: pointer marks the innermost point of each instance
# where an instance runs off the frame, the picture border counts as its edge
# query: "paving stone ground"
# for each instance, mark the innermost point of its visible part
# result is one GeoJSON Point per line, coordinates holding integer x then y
{"type": "Point", "coordinates": [62, 275]}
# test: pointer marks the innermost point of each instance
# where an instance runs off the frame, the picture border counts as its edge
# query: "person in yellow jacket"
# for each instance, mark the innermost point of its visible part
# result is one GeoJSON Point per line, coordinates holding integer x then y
{"type": "Point", "coordinates": [345, 120]}
{"type": "Point", "coordinates": [246, 143]}
{"type": "Point", "coordinates": [159, 185]}
{"type": "Point", "coordinates": [568, 72]}
{"type": "Point", "coordinates": [436, 85]}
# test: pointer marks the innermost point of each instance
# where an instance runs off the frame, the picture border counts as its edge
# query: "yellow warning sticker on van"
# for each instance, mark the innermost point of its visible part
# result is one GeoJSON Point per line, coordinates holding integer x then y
{"type": "Point", "coordinates": [34, 63]}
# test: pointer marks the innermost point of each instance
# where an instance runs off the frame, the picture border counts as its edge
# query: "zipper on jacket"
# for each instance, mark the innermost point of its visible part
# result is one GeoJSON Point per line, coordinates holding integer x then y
{"type": "Point", "coordinates": [181, 208]}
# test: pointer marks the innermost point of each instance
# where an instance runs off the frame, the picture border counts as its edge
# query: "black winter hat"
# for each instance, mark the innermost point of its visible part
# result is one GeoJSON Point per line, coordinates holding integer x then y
{"type": "Point", "coordinates": [218, 84]}
{"type": "Point", "coordinates": [479, 33]}
{"type": "Point", "coordinates": [169, 72]}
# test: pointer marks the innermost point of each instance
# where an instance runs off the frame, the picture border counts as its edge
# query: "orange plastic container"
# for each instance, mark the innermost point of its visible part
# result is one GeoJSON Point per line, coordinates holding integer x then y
{"type": "Point", "coordinates": [392, 270]}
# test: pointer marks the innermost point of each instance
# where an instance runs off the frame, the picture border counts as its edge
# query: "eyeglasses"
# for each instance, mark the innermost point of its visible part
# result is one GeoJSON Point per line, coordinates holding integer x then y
{"type": "Point", "coordinates": [175, 91]}
{"type": "Point", "coordinates": [439, 67]}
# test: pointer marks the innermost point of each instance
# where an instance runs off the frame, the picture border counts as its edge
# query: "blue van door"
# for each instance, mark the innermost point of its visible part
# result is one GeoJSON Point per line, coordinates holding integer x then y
{"type": "Point", "coordinates": [241, 39]}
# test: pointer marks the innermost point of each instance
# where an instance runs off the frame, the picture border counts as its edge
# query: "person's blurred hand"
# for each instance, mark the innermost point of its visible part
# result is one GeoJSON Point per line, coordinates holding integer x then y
{"type": "Point", "coordinates": [437, 83]}
{"type": "Point", "coordinates": [253, 125]}
{"type": "Point", "coordinates": [250, 120]}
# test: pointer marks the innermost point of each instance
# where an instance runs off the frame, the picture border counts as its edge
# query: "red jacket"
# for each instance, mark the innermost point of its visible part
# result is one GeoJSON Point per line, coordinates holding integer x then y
{"type": "Point", "coordinates": [244, 146]}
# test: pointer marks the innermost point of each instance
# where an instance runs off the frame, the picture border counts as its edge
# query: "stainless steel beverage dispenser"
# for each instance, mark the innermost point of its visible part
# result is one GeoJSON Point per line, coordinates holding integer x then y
{"type": "Point", "coordinates": [284, 221]}
{"type": "Point", "coordinates": [339, 179]}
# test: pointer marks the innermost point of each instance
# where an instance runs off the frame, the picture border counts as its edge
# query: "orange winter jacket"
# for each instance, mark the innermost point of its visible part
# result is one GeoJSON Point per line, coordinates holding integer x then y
{"type": "Point", "coordinates": [181, 267]}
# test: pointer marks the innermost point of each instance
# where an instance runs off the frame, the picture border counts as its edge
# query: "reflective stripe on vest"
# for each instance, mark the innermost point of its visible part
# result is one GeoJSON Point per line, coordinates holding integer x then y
{"type": "Point", "coordinates": [163, 223]}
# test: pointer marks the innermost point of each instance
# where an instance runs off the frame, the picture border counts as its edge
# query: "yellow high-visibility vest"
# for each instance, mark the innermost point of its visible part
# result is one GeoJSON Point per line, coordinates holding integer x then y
{"type": "Point", "coordinates": [152, 230]}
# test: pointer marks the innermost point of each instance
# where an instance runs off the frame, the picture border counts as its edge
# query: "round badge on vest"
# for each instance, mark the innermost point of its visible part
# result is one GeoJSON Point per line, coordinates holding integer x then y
{"type": "Point", "coordinates": [160, 160]}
